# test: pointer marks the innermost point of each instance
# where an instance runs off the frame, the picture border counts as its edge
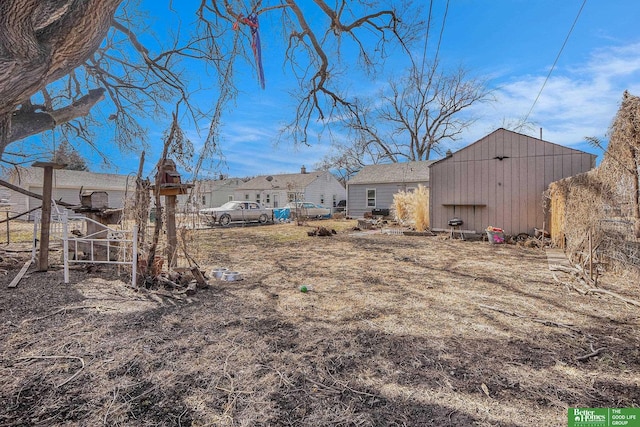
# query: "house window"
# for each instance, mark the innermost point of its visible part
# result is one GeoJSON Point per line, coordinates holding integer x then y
{"type": "Point", "coordinates": [334, 200]}
{"type": "Point", "coordinates": [322, 199]}
{"type": "Point", "coordinates": [371, 197]}
{"type": "Point", "coordinates": [268, 200]}
{"type": "Point", "coordinates": [204, 200]}
{"type": "Point", "coordinates": [229, 197]}
{"type": "Point", "coordinates": [258, 197]}
{"type": "Point", "coordinates": [246, 197]}
{"type": "Point", "coordinates": [294, 197]}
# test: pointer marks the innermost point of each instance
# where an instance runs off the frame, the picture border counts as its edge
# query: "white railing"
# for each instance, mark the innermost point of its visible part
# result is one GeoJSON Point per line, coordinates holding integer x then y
{"type": "Point", "coordinates": [104, 246]}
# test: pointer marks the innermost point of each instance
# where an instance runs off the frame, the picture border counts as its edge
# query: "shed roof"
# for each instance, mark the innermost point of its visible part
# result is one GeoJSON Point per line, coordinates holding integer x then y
{"type": "Point", "coordinates": [558, 147]}
{"type": "Point", "coordinates": [393, 172]}
{"type": "Point", "coordinates": [282, 181]}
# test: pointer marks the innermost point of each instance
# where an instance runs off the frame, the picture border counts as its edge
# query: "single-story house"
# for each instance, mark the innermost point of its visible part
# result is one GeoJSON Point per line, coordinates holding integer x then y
{"type": "Point", "coordinates": [499, 181]}
{"type": "Point", "coordinates": [274, 191]}
{"type": "Point", "coordinates": [67, 185]}
{"type": "Point", "coordinates": [373, 187]}
{"type": "Point", "coordinates": [211, 193]}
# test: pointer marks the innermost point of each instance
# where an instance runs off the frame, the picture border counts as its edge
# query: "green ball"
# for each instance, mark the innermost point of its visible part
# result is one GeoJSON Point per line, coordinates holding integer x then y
{"type": "Point", "coordinates": [303, 288]}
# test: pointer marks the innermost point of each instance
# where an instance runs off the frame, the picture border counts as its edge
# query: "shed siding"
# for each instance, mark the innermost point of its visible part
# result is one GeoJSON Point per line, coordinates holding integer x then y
{"type": "Point", "coordinates": [476, 186]}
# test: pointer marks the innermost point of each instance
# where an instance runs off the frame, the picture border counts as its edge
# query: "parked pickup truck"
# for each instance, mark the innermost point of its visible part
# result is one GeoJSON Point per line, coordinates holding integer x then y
{"type": "Point", "coordinates": [234, 211]}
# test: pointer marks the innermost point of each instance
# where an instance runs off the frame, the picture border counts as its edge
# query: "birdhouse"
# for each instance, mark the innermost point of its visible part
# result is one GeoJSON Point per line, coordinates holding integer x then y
{"type": "Point", "coordinates": [95, 200]}
{"type": "Point", "coordinates": [168, 173]}
{"type": "Point", "coordinates": [169, 179]}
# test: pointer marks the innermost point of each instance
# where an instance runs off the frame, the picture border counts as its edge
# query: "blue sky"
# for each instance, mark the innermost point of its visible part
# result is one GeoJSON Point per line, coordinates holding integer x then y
{"type": "Point", "coordinates": [511, 43]}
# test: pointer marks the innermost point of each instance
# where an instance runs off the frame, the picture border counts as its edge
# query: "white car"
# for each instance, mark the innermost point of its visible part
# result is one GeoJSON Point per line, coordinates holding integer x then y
{"type": "Point", "coordinates": [308, 210]}
{"type": "Point", "coordinates": [237, 211]}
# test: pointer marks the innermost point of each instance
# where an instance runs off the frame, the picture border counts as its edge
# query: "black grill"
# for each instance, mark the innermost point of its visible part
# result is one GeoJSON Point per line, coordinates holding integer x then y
{"type": "Point", "coordinates": [378, 212]}
{"type": "Point", "coordinates": [455, 222]}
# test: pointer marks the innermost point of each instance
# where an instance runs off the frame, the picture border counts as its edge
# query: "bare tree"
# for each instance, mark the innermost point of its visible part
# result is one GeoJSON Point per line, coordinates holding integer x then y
{"type": "Point", "coordinates": [59, 58]}
{"type": "Point", "coordinates": [345, 159]}
{"type": "Point", "coordinates": [70, 157]}
{"type": "Point", "coordinates": [410, 118]}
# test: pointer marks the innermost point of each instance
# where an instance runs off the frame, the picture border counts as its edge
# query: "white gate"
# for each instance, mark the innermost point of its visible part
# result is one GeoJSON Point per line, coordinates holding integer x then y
{"type": "Point", "coordinates": [105, 246]}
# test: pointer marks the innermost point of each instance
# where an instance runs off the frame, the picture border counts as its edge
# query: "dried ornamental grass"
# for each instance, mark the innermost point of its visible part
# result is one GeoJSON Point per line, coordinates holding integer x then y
{"type": "Point", "coordinates": [412, 207]}
{"type": "Point", "coordinates": [421, 208]}
{"type": "Point", "coordinates": [402, 206]}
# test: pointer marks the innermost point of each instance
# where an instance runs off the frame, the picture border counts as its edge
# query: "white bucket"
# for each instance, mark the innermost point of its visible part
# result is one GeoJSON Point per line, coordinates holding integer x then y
{"type": "Point", "coordinates": [218, 272]}
{"type": "Point", "coordinates": [231, 276]}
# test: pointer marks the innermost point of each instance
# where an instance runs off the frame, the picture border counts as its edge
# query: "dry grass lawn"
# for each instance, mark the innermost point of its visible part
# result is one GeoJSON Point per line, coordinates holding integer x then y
{"type": "Point", "coordinates": [394, 331]}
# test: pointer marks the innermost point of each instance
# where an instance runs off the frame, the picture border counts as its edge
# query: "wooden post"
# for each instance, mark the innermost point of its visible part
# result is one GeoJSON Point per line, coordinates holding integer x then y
{"type": "Point", "coordinates": [45, 221]}
{"type": "Point", "coordinates": [172, 237]}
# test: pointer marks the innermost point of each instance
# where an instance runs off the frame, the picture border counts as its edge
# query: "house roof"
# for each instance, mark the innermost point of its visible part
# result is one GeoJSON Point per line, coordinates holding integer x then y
{"type": "Point", "coordinates": [219, 184]}
{"type": "Point", "coordinates": [282, 182]}
{"type": "Point", "coordinates": [393, 172]}
{"type": "Point", "coordinates": [70, 178]}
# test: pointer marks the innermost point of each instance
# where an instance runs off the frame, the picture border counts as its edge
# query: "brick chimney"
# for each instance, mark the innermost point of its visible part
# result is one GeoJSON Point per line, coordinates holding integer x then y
{"type": "Point", "coordinates": [303, 170]}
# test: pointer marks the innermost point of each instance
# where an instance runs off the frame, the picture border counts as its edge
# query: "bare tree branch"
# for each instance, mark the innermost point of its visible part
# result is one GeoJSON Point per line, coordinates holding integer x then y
{"type": "Point", "coordinates": [27, 123]}
{"type": "Point", "coordinates": [52, 51]}
{"type": "Point", "coordinates": [413, 116]}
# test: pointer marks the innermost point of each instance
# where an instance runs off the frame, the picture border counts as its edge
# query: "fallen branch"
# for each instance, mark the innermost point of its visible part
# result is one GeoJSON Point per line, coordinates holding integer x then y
{"type": "Point", "coordinates": [59, 357]}
{"type": "Point", "coordinates": [166, 294]}
{"type": "Point", "coordinates": [569, 286]}
{"type": "Point", "coordinates": [585, 276]}
{"type": "Point", "coordinates": [592, 354]}
{"type": "Point", "coordinates": [613, 294]}
{"type": "Point", "coordinates": [63, 309]}
{"type": "Point", "coordinates": [558, 267]}
{"type": "Point", "coordinates": [168, 282]}
{"type": "Point", "coordinates": [590, 289]}
{"type": "Point", "coordinates": [533, 319]}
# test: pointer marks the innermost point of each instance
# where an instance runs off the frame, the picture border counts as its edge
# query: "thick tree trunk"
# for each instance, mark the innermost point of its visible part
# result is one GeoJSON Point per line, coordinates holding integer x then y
{"type": "Point", "coordinates": [25, 124]}
{"type": "Point", "coordinates": [42, 41]}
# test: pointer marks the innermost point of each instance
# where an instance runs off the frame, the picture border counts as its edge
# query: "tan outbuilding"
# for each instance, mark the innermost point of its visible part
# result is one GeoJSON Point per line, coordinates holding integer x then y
{"type": "Point", "coordinates": [499, 181]}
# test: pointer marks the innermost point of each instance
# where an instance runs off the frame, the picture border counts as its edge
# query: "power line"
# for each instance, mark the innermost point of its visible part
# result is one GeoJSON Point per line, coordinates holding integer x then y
{"type": "Point", "coordinates": [426, 41]}
{"type": "Point", "coordinates": [444, 21]}
{"type": "Point", "coordinates": [553, 66]}
{"type": "Point", "coordinates": [424, 54]}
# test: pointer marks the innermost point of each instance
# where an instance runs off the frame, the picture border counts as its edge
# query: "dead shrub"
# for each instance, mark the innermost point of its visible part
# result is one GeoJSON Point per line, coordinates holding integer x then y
{"type": "Point", "coordinates": [412, 207]}
{"type": "Point", "coordinates": [401, 206]}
